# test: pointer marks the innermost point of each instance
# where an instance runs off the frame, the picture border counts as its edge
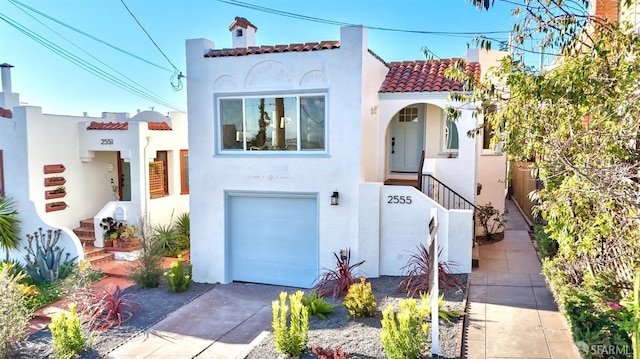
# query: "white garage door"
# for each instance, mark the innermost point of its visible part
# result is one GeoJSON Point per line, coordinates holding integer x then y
{"type": "Point", "coordinates": [273, 239]}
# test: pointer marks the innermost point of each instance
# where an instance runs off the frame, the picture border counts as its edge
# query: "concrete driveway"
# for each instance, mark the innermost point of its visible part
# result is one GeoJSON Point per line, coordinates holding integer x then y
{"type": "Point", "coordinates": [221, 323]}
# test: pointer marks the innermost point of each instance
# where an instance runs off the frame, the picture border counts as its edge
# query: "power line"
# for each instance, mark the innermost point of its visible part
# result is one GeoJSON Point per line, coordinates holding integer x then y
{"type": "Point", "coordinates": [18, 3]}
{"type": "Point", "coordinates": [85, 65]}
{"type": "Point", "coordinates": [339, 23]}
{"type": "Point", "coordinates": [92, 56]}
{"type": "Point", "coordinates": [176, 74]}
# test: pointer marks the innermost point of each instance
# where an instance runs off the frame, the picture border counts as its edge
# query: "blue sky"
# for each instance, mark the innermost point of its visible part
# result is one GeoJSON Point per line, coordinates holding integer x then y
{"type": "Point", "coordinates": [45, 79]}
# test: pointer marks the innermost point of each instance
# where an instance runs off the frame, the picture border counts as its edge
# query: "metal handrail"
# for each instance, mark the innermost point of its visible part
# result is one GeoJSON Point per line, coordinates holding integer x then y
{"type": "Point", "coordinates": [443, 194]}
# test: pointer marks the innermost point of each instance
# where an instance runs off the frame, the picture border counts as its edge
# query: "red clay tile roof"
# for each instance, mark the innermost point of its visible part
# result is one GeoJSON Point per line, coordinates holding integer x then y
{"type": "Point", "coordinates": [423, 76]}
{"type": "Point", "coordinates": [158, 126]}
{"type": "Point", "coordinates": [6, 113]}
{"type": "Point", "coordinates": [242, 22]}
{"type": "Point", "coordinates": [123, 126]}
{"type": "Point", "coordinates": [266, 49]}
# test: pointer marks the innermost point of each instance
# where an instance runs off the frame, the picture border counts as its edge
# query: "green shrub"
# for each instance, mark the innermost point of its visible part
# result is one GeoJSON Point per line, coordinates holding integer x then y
{"type": "Point", "coordinates": [404, 336]}
{"type": "Point", "coordinates": [182, 226]}
{"type": "Point", "coordinates": [290, 324]}
{"type": "Point", "coordinates": [547, 246]}
{"type": "Point", "coordinates": [490, 219]}
{"type": "Point", "coordinates": [443, 312]}
{"type": "Point", "coordinates": [15, 313]}
{"type": "Point", "coordinates": [178, 279]}
{"type": "Point", "coordinates": [317, 305]}
{"type": "Point", "coordinates": [589, 314]}
{"type": "Point", "coordinates": [360, 300]}
{"type": "Point", "coordinates": [68, 338]}
{"type": "Point", "coordinates": [147, 271]}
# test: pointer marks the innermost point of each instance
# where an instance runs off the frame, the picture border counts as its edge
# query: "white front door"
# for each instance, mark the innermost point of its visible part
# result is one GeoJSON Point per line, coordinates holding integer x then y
{"type": "Point", "coordinates": [407, 138]}
{"type": "Point", "coordinates": [273, 238]}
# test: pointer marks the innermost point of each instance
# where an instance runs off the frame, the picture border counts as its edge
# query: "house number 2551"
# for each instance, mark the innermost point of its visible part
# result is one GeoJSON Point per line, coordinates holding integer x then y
{"type": "Point", "coordinates": [106, 141]}
{"type": "Point", "coordinates": [399, 199]}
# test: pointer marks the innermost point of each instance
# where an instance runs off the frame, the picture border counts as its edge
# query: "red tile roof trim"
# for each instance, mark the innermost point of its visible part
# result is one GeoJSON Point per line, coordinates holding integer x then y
{"type": "Point", "coordinates": [241, 22]}
{"type": "Point", "coordinates": [121, 126]}
{"type": "Point", "coordinates": [267, 49]}
{"type": "Point", "coordinates": [6, 113]}
{"type": "Point", "coordinates": [424, 76]}
{"type": "Point", "coordinates": [158, 126]}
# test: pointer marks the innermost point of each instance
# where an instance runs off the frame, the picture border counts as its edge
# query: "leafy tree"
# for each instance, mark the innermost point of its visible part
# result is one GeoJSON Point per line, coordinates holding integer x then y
{"type": "Point", "coordinates": [579, 121]}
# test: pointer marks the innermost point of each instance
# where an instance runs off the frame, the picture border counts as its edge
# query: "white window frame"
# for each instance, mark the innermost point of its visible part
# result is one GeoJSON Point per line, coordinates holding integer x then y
{"type": "Point", "coordinates": [247, 152]}
{"type": "Point", "coordinates": [444, 137]}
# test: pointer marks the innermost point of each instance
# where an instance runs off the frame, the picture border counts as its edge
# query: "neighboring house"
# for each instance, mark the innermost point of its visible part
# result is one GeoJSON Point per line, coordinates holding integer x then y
{"type": "Point", "coordinates": [278, 133]}
{"type": "Point", "coordinates": [63, 169]}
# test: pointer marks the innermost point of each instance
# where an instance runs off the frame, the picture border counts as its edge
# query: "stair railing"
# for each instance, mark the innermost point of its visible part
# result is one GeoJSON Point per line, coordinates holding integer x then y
{"type": "Point", "coordinates": [443, 194]}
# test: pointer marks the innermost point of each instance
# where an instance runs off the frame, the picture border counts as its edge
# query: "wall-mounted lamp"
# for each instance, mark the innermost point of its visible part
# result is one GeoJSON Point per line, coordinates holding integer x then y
{"type": "Point", "coordinates": [334, 199]}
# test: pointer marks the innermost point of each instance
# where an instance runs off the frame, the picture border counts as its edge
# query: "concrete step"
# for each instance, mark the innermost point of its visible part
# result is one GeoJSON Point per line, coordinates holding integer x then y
{"type": "Point", "coordinates": [84, 232]}
{"type": "Point", "coordinates": [475, 256]}
{"type": "Point", "coordinates": [100, 258]}
{"type": "Point", "coordinates": [90, 251]}
{"type": "Point", "coordinates": [87, 241]}
{"type": "Point", "coordinates": [87, 223]}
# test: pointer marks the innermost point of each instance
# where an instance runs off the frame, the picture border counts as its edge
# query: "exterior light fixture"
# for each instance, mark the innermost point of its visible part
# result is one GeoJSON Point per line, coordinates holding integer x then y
{"type": "Point", "coordinates": [334, 199]}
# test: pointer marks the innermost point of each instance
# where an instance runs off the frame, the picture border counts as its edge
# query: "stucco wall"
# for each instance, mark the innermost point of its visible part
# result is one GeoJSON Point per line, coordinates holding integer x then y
{"type": "Point", "coordinates": [336, 72]}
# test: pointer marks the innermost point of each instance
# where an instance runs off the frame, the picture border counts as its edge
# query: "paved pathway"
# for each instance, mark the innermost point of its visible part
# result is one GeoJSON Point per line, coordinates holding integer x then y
{"type": "Point", "coordinates": [223, 323]}
{"type": "Point", "coordinates": [512, 314]}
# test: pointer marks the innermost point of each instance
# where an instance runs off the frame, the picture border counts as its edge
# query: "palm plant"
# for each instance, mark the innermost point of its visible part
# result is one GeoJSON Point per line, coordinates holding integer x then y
{"type": "Point", "coordinates": [182, 226]}
{"type": "Point", "coordinates": [9, 225]}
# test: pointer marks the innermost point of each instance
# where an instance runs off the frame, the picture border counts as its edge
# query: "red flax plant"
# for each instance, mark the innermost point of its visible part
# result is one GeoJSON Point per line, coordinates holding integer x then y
{"type": "Point", "coordinates": [417, 273]}
{"type": "Point", "coordinates": [339, 280]}
{"type": "Point", "coordinates": [329, 354]}
{"type": "Point", "coordinates": [110, 307]}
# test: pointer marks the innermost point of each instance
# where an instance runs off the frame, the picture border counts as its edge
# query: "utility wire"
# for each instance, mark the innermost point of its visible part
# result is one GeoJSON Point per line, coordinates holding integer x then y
{"type": "Point", "coordinates": [93, 57]}
{"type": "Point", "coordinates": [339, 23]}
{"type": "Point", "coordinates": [18, 3]}
{"type": "Point", "coordinates": [176, 72]}
{"type": "Point", "coordinates": [83, 64]}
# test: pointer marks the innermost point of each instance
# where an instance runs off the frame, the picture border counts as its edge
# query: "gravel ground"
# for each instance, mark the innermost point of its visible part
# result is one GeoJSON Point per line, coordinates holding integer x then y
{"type": "Point", "coordinates": [156, 304]}
{"type": "Point", "coordinates": [360, 338]}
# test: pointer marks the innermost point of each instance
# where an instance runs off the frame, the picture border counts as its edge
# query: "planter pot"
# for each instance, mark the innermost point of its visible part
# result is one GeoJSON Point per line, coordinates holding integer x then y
{"type": "Point", "coordinates": [54, 181]}
{"type": "Point", "coordinates": [57, 168]}
{"type": "Point", "coordinates": [108, 242]}
{"type": "Point", "coordinates": [54, 194]}
{"type": "Point", "coordinates": [55, 206]}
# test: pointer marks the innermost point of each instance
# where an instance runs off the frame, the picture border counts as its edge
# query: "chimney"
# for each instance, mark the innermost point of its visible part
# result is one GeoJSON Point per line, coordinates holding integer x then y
{"type": "Point", "coordinates": [5, 70]}
{"type": "Point", "coordinates": [243, 33]}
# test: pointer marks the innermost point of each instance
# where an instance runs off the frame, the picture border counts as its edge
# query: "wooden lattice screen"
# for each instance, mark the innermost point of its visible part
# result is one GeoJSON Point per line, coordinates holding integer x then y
{"type": "Point", "coordinates": [156, 179]}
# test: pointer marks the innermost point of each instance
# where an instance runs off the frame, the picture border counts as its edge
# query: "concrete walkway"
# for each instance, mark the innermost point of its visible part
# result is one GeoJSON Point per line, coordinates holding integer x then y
{"type": "Point", "coordinates": [512, 314]}
{"type": "Point", "coordinates": [222, 323]}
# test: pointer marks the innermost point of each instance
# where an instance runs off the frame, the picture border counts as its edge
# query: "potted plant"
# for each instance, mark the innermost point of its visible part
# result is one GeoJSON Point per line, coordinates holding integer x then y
{"type": "Point", "coordinates": [125, 235]}
{"type": "Point", "coordinates": [58, 192]}
{"type": "Point", "coordinates": [110, 227]}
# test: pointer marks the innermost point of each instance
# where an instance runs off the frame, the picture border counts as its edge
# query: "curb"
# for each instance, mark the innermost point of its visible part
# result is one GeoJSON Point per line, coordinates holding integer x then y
{"type": "Point", "coordinates": [463, 322]}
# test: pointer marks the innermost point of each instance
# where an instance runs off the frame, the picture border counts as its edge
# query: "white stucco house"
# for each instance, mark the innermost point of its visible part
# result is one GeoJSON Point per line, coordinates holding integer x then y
{"type": "Point", "coordinates": [279, 134]}
{"type": "Point", "coordinates": [69, 172]}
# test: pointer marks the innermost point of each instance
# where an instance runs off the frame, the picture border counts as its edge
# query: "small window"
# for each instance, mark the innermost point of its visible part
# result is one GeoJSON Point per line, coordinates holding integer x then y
{"type": "Point", "coordinates": [450, 136]}
{"type": "Point", "coordinates": [1, 175]}
{"type": "Point", "coordinates": [184, 171]}
{"type": "Point", "coordinates": [239, 32]}
{"type": "Point", "coordinates": [408, 114]}
{"type": "Point", "coordinates": [487, 130]}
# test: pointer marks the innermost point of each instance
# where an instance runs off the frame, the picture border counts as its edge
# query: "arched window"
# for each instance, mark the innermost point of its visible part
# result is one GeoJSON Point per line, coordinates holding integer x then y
{"type": "Point", "coordinates": [450, 136]}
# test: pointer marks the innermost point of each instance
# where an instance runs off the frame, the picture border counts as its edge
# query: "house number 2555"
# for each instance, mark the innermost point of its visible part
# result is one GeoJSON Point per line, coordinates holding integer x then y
{"type": "Point", "coordinates": [399, 199]}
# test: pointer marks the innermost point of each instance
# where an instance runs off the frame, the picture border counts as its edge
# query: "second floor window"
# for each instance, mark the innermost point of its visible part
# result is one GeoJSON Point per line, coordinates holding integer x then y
{"type": "Point", "coordinates": [291, 123]}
